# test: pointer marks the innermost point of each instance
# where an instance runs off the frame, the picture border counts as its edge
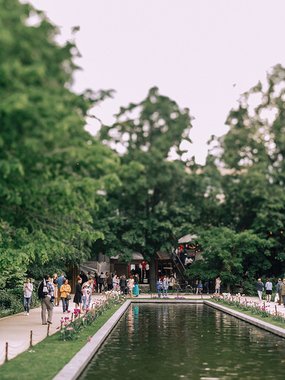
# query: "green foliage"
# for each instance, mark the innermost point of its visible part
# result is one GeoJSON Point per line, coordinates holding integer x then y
{"type": "Point", "coordinates": [144, 209]}
{"type": "Point", "coordinates": [65, 195]}
{"type": "Point", "coordinates": [233, 256]}
{"type": "Point", "coordinates": [50, 168]}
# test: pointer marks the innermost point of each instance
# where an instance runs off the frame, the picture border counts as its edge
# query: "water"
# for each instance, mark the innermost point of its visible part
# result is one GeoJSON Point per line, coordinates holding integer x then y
{"type": "Point", "coordinates": [155, 341]}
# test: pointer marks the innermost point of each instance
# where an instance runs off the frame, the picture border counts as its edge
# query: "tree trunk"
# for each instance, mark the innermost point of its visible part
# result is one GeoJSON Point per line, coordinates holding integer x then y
{"type": "Point", "coordinates": [152, 275]}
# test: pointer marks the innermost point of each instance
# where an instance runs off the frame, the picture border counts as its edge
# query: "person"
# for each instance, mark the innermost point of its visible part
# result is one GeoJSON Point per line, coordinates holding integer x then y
{"type": "Point", "coordinates": [96, 283]}
{"type": "Point", "coordinates": [259, 288]}
{"type": "Point", "coordinates": [123, 284]}
{"type": "Point", "coordinates": [159, 286]}
{"type": "Point", "coordinates": [283, 292]}
{"type": "Point", "coordinates": [218, 285]}
{"type": "Point", "coordinates": [171, 282]}
{"type": "Point", "coordinates": [101, 281]}
{"type": "Point", "coordinates": [199, 287]}
{"type": "Point", "coordinates": [65, 291]}
{"type": "Point", "coordinates": [87, 294]}
{"type": "Point", "coordinates": [28, 291]}
{"type": "Point", "coordinates": [136, 290]}
{"type": "Point", "coordinates": [46, 295]}
{"type": "Point", "coordinates": [83, 276]}
{"type": "Point", "coordinates": [94, 286]}
{"type": "Point", "coordinates": [116, 281]}
{"type": "Point", "coordinates": [207, 286]}
{"type": "Point", "coordinates": [78, 294]}
{"type": "Point", "coordinates": [268, 290]}
{"type": "Point", "coordinates": [55, 286]}
{"type": "Point", "coordinates": [131, 283]}
{"type": "Point", "coordinates": [60, 281]}
{"type": "Point", "coordinates": [165, 285]}
{"type": "Point", "coordinates": [188, 261]}
{"type": "Point", "coordinates": [278, 291]}
{"type": "Point", "coordinates": [109, 281]}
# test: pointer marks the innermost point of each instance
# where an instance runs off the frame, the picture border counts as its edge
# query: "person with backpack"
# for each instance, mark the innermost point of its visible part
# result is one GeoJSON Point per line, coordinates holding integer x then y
{"type": "Point", "coordinates": [46, 295]}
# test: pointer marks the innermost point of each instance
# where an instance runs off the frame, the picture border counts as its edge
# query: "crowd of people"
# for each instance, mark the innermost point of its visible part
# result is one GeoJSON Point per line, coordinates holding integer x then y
{"type": "Point", "coordinates": [54, 289]}
{"type": "Point", "coordinates": [268, 287]}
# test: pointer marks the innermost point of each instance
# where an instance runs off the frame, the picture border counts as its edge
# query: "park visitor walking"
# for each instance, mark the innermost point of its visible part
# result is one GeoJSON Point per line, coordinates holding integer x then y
{"type": "Point", "coordinates": [78, 294]}
{"type": "Point", "coordinates": [28, 291]}
{"type": "Point", "coordinates": [268, 289]}
{"type": "Point", "coordinates": [60, 282]}
{"type": "Point", "coordinates": [218, 285]}
{"type": "Point", "coordinates": [199, 287]}
{"type": "Point", "coordinates": [165, 286]}
{"type": "Point", "coordinates": [278, 291]}
{"type": "Point", "coordinates": [55, 287]}
{"type": "Point", "coordinates": [46, 295]}
{"type": "Point", "coordinates": [109, 281]}
{"type": "Point", "coordinates": [101, 281]}
{"type": "Point", "coordinates": [283, 291]}
{"type": "Point", "coordinates": [65, 291]}
{"type": "Point", "coordinates": [87, 294]}
{"type": "Point", "coordinates": [259, 288]}
{"type": "Point", "coordinates": [123, 284]}
{"type": "Point", "coordinates": [136, 290]}
{"type": "Point", "coordinates": [159, 287]}
{"type": "Point", "coordinates": [116, 282]}
{"type": "Point", "coordinates": [131, 283]}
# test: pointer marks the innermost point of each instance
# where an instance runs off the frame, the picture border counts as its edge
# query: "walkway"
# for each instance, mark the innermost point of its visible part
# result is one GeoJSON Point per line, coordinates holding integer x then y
{"type": "Point", "coordinates": [16, 329]}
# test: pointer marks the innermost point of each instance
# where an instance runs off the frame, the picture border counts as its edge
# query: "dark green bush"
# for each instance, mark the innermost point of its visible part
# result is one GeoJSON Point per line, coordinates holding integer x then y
{"type": "Point", "coordinates": [11, 301]}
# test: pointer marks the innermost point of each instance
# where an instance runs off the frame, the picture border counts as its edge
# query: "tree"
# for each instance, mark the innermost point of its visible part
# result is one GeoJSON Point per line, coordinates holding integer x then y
{"type": "Point", "coordinates": [149, 132]}
{"type": "Point", "coordinates": [253, 150]}
{"type": "Point", "coordinates": [50, 167]}
{"type": "Point", "coordinates": [237, 258]}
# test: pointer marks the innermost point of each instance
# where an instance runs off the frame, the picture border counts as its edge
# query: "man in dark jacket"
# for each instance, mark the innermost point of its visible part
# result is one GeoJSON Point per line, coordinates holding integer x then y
{"type": "Point", "coordinates": [46, 295]}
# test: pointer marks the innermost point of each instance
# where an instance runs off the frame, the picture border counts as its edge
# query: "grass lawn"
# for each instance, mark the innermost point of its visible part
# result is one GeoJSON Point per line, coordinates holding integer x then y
{"type": "Point", "coordinates": [47, 358]}
{"type": "Point", "coordinates": [268, 319]}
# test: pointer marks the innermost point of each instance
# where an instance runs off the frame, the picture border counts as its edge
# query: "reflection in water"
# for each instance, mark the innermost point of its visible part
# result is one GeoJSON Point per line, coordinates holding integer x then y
{"type": "Point", "coordinates": [166, 341]}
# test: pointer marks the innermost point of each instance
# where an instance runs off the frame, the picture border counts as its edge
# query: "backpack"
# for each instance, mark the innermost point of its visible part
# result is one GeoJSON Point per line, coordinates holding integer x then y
{"type": "Point", "coordinates": [42, 290]}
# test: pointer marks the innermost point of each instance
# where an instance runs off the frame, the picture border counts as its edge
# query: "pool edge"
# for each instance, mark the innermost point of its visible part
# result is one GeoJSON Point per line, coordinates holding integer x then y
{"type": "Point", "coordinates": [74, 368]}
{"type": "Point", "coordinates": [253, 321]}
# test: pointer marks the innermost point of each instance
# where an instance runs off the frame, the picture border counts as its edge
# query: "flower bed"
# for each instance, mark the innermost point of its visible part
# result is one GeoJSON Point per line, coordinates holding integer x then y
{"type": "Point", "coordinates": [71, 326]}
{"type": "Point", "coordinates": [259, 309]}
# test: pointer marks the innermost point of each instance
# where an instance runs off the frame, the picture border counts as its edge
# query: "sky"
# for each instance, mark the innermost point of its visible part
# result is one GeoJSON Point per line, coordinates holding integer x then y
{"type": "Point", "coordinates": [201, 53]}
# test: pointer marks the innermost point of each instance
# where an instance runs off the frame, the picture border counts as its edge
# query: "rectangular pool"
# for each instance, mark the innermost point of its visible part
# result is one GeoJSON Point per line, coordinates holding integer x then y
{"type": "Point", "coordinates": [170, 341]}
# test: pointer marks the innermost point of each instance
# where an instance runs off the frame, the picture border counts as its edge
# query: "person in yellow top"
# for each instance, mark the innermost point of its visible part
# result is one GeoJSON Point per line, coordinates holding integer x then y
{"type": "Point", "coordinates": [65, 291]}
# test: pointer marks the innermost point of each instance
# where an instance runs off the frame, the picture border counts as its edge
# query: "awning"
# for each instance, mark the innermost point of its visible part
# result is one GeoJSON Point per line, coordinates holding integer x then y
{"type": "Point", "coordinates": [135, 256]}
{"type": "Point", "coordinates": [163, 256]}
{"type": "Point", "coordinates": [187, 239]}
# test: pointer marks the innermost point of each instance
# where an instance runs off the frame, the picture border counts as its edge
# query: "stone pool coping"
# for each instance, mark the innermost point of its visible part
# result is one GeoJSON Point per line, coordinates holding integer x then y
{"type": "Point", "coordinates": [74, 368]}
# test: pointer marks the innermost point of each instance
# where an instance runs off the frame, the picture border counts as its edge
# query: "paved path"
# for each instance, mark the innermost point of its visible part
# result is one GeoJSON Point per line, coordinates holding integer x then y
{"type": "Point", "coordinates": [16, 329]}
